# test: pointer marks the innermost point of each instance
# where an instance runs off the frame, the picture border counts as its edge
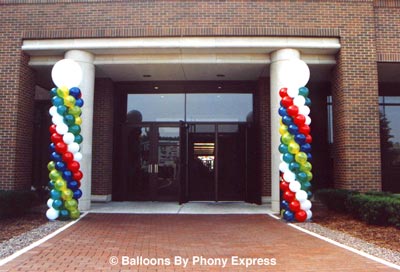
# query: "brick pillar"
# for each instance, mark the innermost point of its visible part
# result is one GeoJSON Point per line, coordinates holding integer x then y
{"type": "Point", "coordinates": [356, 147]}
{"type": "Point", "coordinates": [16, 117]}
{"type": "Point", "coordinates": [103, 129]}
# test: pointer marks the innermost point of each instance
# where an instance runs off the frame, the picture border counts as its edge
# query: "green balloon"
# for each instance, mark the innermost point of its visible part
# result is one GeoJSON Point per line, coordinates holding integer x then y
{"type": "Point", "coordinates": [71, 204]}
{"type": "Point", "coordinates": [287, 138]}
{"type": "Point", "coordinates": [60, 184]}
{"type": "Point", "coordinates": [74, 214]}
{"type": "Point", "coordinates": [306, 167]}
{"type": "Point", "coordinates": [51, 165]}
{"type": "Point", "coordinates": [301, 158]}
{"type": "Point", "coordinates": [309, 175]}
{"type": "Point", "coordinates": [54, 175]}
{"type": "Point", "coordinates": [75, 111]}
{"type": "Point", "coordinates": [294, 147]}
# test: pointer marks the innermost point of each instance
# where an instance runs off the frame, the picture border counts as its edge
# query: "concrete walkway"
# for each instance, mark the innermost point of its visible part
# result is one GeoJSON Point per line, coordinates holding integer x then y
{"type": "Point", "coordinates": [187, 242]}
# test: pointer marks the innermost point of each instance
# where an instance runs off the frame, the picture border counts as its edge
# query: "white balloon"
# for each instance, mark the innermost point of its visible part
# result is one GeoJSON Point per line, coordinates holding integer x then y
{"type": "Point", "coordinates": [295, 186]}
{"type": "Point", "coordinates": [293, 92]}
{"type": "Point", "coordinates": [73, 148]}
{"type": "Point", "coordinates": [57, 119]}
{"type": "Point", "coordinates": [305, 205]}
{"type": "Point", "coordinates": [309, 214]}
{"type": "Point", "coordinates": [53, 110]}
{"type": "Point", "coordinates": [68, 137]}
{"type": "Point", "coordinates": [293, 74]}
{"type": "Point", "coordinates": [52, 214]}
{"type": "Point", "coordinates": [308, 120]}
{"type": "Point", "coordinates": [78, 156]}
{"type": "Point", "coordinates": [283, 167]}
{"type": "Point", "coordinates": [299, 101]}
{"type": "Point", "coordinates": [66, 72]}
{"type": "Point", "coordinates": [305, 110]}
{"type": "Point", "coordinates": [50, 203]}
{"type": "Point", "coordinates": [62, 129]}
{"type": "Point", "coordinates": [301, 196]}
{"type": "Point", "coordinates": [289, 176]}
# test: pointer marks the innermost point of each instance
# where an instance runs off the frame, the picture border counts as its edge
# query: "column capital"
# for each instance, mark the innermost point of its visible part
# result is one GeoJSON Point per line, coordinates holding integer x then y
{"type": "Point", "coordinates": [80, 56]}
{"type": "Point", "coordinates": [285, 54]}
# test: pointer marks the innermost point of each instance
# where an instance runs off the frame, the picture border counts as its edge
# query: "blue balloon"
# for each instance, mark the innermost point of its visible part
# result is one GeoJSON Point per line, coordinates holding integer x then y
{"type": "Point", "coordinates": [52, 148]}
{"type": "Point", "coordinates": [55, 194]}
{"type": "Point", "coordinates": [79, 102]}
{"type": "Point", "coordinates": [309, 194]}
{"type": "Point", "coordinates": [287, 120]}
{"type": "Point", "coordinates": [303, 91]}
{"type": "Point", "coordinates": [77, 194]}
{"type": "Point", "coordinates": [73, 185]}
{"type": "Point", "coordinates": [309, 157]}
{"type": "Point", "coordinates": [57, 203]}
{"type": "Point", "coordinates": [57, 101]}
{"type": "Point", "coordinates": [300, 138]}
{"type": "Point", "coordinates": [53, 92]}
{"type": "Point", "coordinates": [288, 216]}
{"type": "Point", "coordinates": [64, 214]}
{"type": "Point", "coordinates": [61, 109]}
{"type": "Point", "coordinates": [293, 129]}
{"type": "Point", "coordinates": [294, 167]}
{"type": "Point", "coordinates": [288, 158]}
{"type": "Point", "coordinates": [308, 102]}
{"type": "Point", "coordinates": [60, 166]}
{"type": "Point", "coordinates": [50, 184]}
{"type": "Point", "coordinates": [301, 176]}
{"type": "Point", "coordinates": [283, 148]}
{"type": "Point", "coordinates": [55, 156]}
{"type": "Point", "coordinates": [67, 175]}
{"type": "Point", "coordinates": [75, 92]}
{"type": "Point", "coordinates": [284, 205]}
{"type": "Point", "coordinates": [306, 148]}
{"type": "Point", "coordinates": [282, 111]}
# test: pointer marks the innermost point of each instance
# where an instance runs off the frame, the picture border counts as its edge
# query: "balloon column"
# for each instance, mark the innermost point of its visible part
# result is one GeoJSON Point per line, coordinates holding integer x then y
{"type": "Point", "coordinates": [65, 175]}
{"type": "Point", "coordinates": [295, 148]}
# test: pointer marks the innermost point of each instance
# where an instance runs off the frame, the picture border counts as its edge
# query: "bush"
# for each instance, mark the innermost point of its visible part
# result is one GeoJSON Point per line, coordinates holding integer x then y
{"type": "Point", "coordinates": [335, 199]}
{"type": "Point", "coordinates": [15, 203]}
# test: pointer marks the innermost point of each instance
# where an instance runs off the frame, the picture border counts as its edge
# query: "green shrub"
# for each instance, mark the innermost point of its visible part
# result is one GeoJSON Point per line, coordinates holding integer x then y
{"type": "Point", "coordinates": [335, 199]}
{"type": "Point", "coordinates": [15, 203]}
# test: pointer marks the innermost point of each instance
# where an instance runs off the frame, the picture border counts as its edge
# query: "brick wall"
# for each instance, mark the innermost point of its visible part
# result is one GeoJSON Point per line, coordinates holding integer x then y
{"type": "Point", "coordinates": [355, 87]}
{"type": "Point", "coordinates": [103, 120]}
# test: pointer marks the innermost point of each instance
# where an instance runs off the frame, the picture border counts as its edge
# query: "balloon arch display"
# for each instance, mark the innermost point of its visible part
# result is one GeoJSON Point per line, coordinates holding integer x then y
{"type": "Point", "coordinates": [295, 145]}
{"type": "Point", "coordinates": [65, 174]}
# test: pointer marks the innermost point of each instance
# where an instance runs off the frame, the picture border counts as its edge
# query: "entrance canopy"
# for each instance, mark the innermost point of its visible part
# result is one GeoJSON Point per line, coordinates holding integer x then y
{"type": "Point", "coordinates": [184, 58]}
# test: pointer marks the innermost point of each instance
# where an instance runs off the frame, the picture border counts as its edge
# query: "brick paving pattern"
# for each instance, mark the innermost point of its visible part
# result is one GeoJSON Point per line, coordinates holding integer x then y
{"type": "Point", "coordinates": [89, 244]}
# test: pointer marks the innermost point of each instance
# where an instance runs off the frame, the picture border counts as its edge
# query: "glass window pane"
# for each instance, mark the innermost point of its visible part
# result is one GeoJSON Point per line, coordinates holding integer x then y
{"type": "Point", "coordinates": [392, 99]}
{"type": "Point", "coordinates": [157, 107]}
{"type": "Point", "coordinates": [219, 107]}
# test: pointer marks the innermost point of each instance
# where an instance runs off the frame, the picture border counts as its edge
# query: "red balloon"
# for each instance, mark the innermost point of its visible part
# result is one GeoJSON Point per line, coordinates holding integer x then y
{"type": "Point", "coordinates": [308, 139]}
{"type": "Point", "coordinates": [305, 129]}
{"type": "Point", "coordinates": [287, 101]}
{"type": "Point", "coordinates": [294, 206]}
{"type": "Point", "coordinates": [283, 92]}
{"type": "Point", "coordinates": [68, 157]}
{"type": "Point", "coordinates": [289, 196]}
{"type": "Point", "coordinates": [56, 138]}
{"type": "Point", "coordinates": [61, 147]}
{"type": "Point", "coordinates": [299, 120]}
{"type": "Point", "coordinates": [77, 175]}
{"type": "Point", "coordinates": [74, 166]}
{"type": "Point", "coordinates": [284, 186]}
{"type": "Point", "coordinates": [52, 129]}
{"type": "Point", "coordinates": [301, 216]}
{"type": "Point", "coordinates": [293, 110]}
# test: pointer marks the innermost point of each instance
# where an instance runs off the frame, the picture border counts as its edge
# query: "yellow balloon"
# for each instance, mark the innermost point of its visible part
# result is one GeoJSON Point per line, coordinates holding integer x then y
{"type": "Point", "coordinates": [78, 120]}
{"type": "Point", "coordinates": [283, 129]}
{"type": "Point", "coordinates": [293, 147]}
{"type": "Point", "coordinates": [280, 121]}
{"type": "Point", "coordinates": [67, 194]}
{"type": "Point", "coordinates": [63, 92]}
{"type": "Point", "coordinates": [286, 138]}
{"type": "Point", "coordinates": [69, 101]}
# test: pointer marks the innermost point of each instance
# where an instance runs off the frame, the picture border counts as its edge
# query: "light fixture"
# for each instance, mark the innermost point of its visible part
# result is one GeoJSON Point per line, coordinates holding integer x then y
{"type": "Point", "coordinates": [146, 75]}
{"type": "Point", "coordinates": [219, 87]}
{"type": "Point", "coordinates": [155, 87]}
{"type": "Point", "coordinates": [220, 75]}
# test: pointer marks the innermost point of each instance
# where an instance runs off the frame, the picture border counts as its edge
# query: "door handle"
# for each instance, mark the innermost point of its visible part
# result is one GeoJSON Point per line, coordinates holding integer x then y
{"type": "Point", "coordinates": [150, 168]}
{"type": "Point", "coordinates": [156, 168]}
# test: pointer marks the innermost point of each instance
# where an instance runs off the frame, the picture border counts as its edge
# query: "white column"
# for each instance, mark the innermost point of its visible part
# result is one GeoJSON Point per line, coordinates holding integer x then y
{"type": "Point", "coordinates": [85, 60]}
{"type": "Point", "coordinates": [278, 61]}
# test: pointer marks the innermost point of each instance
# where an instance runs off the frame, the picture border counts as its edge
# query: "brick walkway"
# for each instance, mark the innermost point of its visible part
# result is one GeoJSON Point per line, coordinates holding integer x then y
{"type": "Point", "coordinates": [89, 244]}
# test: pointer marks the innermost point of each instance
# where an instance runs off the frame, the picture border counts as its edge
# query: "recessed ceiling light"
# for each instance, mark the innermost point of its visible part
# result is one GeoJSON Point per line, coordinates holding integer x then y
{"type": "Point", "coordinates": [155, 87]}
{"type": "Point", "coordinates": [220, 75]}
{"type": "Point", "coordinates": [146, 75]}
{"type": "Point", "coordinates": [219, 87]}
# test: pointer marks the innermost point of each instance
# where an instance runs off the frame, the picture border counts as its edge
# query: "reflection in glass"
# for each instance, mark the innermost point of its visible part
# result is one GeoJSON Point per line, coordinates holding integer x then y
{"type": "Point", "coordinates": [158, 107]}
{"type": "Point", "coordinates": [221, 107]}
{"type": "Point", "coordinates": [168, 163]}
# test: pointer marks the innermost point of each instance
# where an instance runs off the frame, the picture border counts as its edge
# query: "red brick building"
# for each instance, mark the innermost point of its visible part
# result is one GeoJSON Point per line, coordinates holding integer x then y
{"type": "Point", "coordinates": [191, 51]}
